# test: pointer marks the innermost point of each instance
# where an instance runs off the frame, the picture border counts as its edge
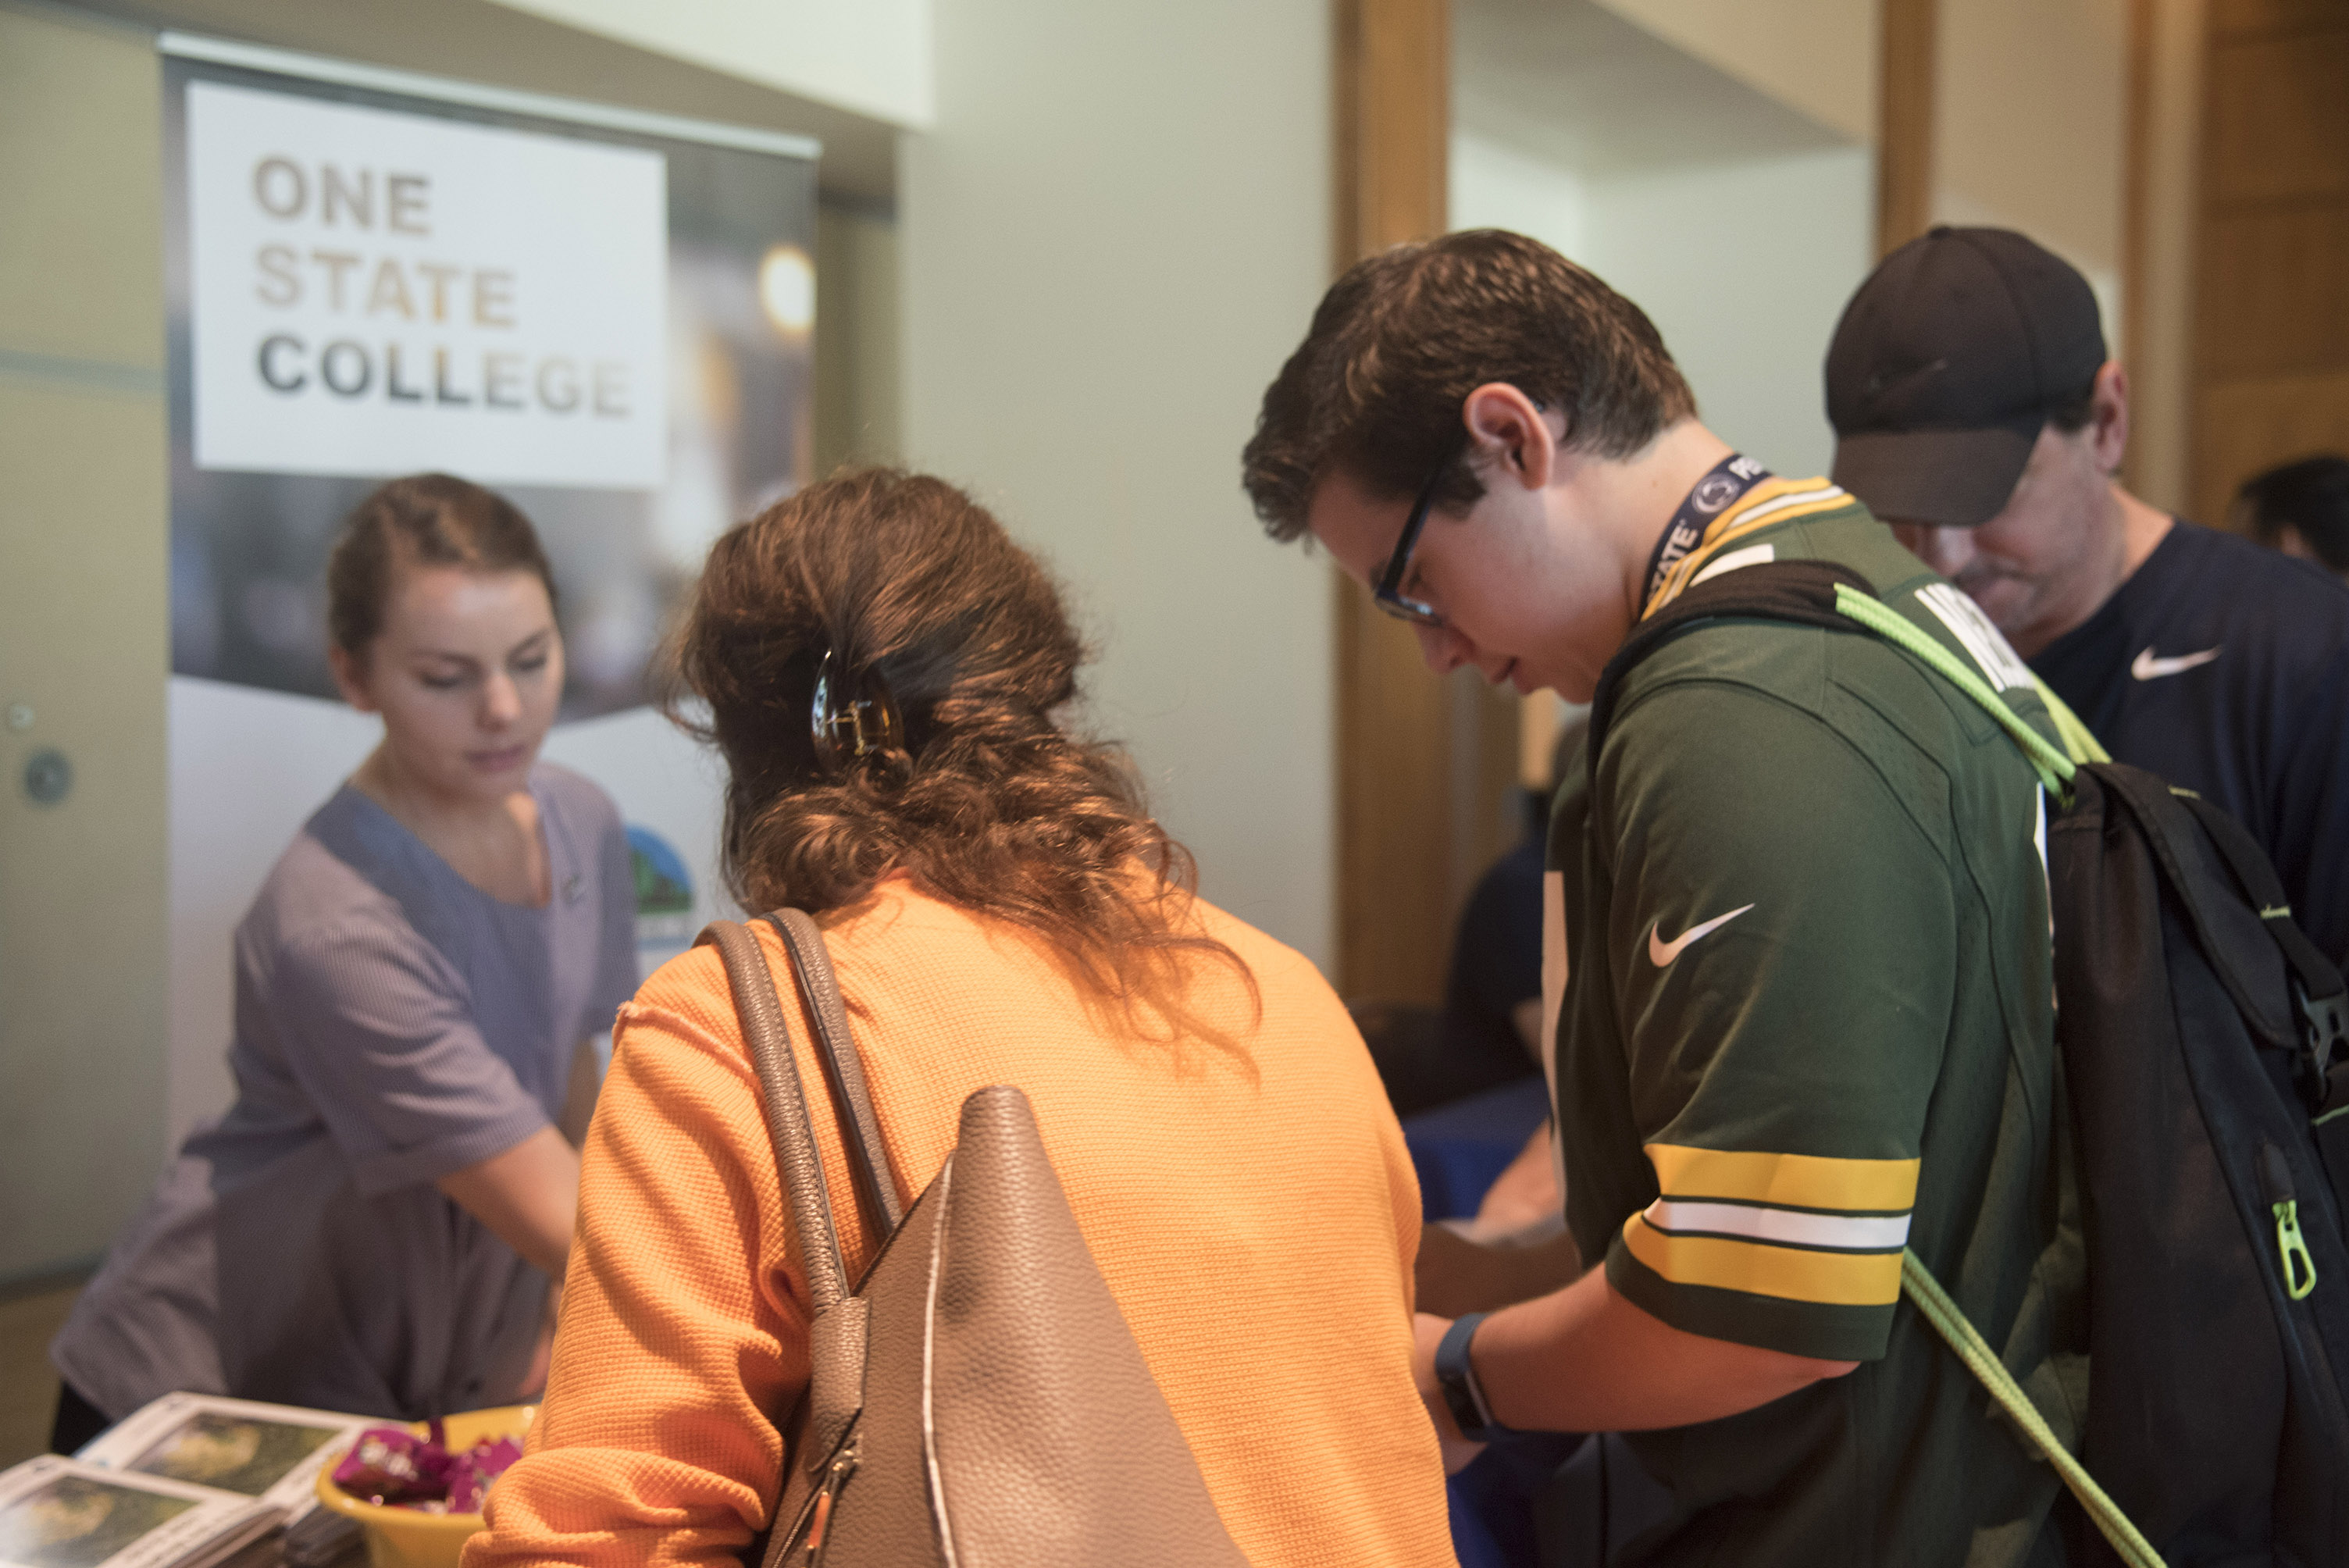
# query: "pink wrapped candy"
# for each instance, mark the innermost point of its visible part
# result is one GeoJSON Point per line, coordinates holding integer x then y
{"type": "Point", "coordinates": [470, 1472]}
{"type": "Point", "coordinates": [392, 1467]}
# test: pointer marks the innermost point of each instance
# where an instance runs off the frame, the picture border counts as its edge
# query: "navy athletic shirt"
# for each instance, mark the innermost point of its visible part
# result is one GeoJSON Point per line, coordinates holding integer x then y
{"type": "Point", "coordinates": [2224, 667]}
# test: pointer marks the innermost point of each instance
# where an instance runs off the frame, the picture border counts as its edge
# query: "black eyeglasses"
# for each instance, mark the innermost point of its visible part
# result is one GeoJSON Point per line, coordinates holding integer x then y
{"type": "Point", "coordinates": [1389, 595]}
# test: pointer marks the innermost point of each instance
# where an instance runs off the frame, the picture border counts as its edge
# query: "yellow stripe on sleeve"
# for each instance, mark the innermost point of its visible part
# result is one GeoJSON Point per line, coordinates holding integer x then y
{"type": "Point", "coordinates": [1792, 1273]}
{"type": "Point", "coordinates": [1792, 1181]}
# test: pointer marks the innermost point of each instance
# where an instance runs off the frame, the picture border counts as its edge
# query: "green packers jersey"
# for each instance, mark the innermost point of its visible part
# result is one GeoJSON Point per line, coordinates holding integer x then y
{"type": "Point", "coordinates": [1801, 958]}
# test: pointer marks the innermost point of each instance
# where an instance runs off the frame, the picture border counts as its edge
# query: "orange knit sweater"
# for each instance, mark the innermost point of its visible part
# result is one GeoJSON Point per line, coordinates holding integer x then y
{"type": "Point", "coordinates": [1253, 1211]}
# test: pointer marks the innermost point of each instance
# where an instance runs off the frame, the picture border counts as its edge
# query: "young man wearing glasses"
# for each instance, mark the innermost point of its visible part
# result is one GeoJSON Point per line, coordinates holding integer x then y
{"type": "Point", "coordinates": [1798, 975]}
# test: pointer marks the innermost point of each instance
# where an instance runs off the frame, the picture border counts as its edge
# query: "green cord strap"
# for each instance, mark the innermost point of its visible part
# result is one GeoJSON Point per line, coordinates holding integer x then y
{"type": "Point", "coordinates": [2053, 768]}
{"type": "Point", "coordinates": [2079, 741]}
{"type": "Point", "coordinates": [2056, 768]}
{"type": "Point", "coordinates": [1942, 1313]}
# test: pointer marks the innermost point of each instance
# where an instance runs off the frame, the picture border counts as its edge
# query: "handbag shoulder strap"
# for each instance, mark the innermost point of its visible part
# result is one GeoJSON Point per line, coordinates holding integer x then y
{"type": "Point", "coordinates": [844, 1069]}
{"type": "Point", "coordinates": [1921, 1288]}
{"type": "Point", "coordinates": [796, 1155]}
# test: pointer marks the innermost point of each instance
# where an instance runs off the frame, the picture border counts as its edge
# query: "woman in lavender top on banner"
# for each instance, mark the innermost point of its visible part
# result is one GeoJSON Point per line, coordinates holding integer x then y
{"type": "Point", "coordinates": [380, 1222]}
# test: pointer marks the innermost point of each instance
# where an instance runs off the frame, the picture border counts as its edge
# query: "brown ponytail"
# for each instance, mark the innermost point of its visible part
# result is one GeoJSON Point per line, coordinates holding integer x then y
{"type": "Point", "coordinates": [430, 520]}
{"type": "Point", "coordinates": [987, 802]}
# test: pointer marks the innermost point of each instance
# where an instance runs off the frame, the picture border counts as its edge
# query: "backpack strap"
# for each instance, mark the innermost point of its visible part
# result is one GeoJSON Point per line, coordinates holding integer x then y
{"type": "Point", "coordinates": [844, 1069]}
{"type": "Point", "coordinates": [2315, 974]}
{"type": "Point", "coordinates": [2317, 988]}
{"type": "Point", "coordinates": [2051, 762]}
{"type": "Point", "coordinates": [788, 1128]}
{"type": "Point", "coordinates": [2235, 926]}
{"type": "Point", "coordinates": [1826, 594]}
{"type": "Point", "coordinates": [2080, 742]}
{"type": "Point", "coordinates": [1917, 1282]}
{"type": "Point", "coordinates": [1800, 592]}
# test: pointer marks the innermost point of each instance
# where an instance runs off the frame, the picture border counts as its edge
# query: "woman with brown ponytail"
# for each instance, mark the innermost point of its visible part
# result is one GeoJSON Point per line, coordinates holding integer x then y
{"type": "Point", "coordinates": [377, 1223]}
{"type": "Point", "coordinates": [1001, 909]}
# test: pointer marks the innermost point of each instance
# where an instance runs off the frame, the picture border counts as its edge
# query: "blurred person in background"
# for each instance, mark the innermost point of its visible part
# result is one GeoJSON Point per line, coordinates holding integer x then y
{"type": "Point", "coordinates": [2301, 509]}
{"type": "Point", "coordinates": [1488, 1031]}
{"type": "Point", "coordinates": [1001, 909]}
{"type": "Point", "coordinates": [1486, 1037]}
{"type": "Point", "coordinates": [1977, 412]}
{"type": "Point", "coordinates": [377, 1223]}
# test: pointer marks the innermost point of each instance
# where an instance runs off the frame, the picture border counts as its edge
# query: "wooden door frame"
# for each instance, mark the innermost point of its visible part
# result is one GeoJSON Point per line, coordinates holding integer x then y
{"type": "Point", "coordinates": [2160, 238]}
{"type": "Point", "coordinates": [1424, 765]}
{"type": "Point", "coordinates": [1905, 103]}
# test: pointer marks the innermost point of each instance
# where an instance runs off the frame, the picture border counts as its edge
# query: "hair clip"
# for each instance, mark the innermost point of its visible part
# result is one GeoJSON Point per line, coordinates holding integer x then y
{"type": "Point", "coordinates": [853, 719]}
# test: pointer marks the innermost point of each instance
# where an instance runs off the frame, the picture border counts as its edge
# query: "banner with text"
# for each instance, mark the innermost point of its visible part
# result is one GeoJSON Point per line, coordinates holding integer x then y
{"type": "Point", "coordinates": [374, 292]}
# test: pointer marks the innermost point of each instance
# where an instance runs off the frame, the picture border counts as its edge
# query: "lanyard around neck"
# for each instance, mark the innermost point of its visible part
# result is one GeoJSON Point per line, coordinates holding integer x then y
{"type": "Point", "coordinates": [1707, 499]}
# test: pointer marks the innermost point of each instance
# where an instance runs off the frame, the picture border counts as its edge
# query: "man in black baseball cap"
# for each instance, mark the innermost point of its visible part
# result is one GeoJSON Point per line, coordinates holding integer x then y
{"type": "Point", "coordinates": [1975, 410]}
{"type": "Point", "coordinates": [1947, 368]}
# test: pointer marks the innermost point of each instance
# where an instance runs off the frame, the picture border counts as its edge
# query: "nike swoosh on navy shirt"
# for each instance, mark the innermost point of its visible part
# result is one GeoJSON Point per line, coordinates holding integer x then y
{"type": "Point", "coordinates": [2146, 667]}
{"type": "Point", "coordinates": [1660, 952]}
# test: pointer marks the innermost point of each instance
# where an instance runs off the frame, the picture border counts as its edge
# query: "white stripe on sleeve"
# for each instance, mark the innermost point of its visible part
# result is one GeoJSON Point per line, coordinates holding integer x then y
{"type": "Point", "coordinates": [1796, 1227]}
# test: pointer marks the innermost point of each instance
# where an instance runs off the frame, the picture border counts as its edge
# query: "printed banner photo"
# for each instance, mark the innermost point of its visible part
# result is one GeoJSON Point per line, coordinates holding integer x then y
{"type": "Point", "coordinates": [602, 315]}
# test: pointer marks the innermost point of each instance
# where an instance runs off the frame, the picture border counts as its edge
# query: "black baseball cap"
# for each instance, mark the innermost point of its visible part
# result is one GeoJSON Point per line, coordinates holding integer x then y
{"type": "Point", "coordinates": [1945, 365]}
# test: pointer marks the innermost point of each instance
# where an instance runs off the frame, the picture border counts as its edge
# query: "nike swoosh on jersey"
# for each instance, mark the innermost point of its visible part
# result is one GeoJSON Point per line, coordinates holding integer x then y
{"type": "Point", "coordinates": [2146, 667]}
{"type": "Point", "coordinates": [1660, 952]}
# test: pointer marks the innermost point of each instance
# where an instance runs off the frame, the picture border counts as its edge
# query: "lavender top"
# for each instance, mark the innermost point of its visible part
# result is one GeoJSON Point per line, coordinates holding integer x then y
{"type": "Point", "coordinates": [394, 1024]}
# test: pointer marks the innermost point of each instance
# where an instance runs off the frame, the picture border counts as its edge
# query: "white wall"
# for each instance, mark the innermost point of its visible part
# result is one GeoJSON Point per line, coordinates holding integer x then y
{"type": "Point", "coordinates": [1496, 186]}
{"type": "Point", "coordinates": [2029, 121]}
{"type": "Point", "coordinates": [2029, 130]}
{"type": "Point", "coordinates": [1744, 267]}
{"type": "Point", "coordinates": [859, 356]}
{"type": "Point", "coordinates": [872, 57]}
{"type": "Point", "coordinates": [1817, 57]}
{"type": "Point", "coordinates": [1112, 235]}
{"type": "Point", "coordinates": [83, 619]}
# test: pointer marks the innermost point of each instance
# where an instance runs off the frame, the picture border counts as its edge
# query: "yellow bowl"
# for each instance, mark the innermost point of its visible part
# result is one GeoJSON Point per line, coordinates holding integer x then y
{"type": "Point", "coordinates": [405, 1538]}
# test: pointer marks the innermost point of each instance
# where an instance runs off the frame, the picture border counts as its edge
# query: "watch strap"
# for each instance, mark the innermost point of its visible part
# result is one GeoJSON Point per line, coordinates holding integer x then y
{"type": "Point", "coordinates": [1455, 1374]}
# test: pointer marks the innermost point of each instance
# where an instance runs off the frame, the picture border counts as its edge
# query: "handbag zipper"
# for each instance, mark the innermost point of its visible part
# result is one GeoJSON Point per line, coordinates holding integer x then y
{"type": "Point", "coordinates": [833, 1480]}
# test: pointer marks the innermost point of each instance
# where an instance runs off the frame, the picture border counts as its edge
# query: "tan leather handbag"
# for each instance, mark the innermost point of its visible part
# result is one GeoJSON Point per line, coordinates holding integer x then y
{"type": "Point", "coordinates": [976, 1400]}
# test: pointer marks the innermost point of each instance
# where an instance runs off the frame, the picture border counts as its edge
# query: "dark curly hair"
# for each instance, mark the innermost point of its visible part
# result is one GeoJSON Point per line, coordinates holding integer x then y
{"type": "Point", "coordinates": [987, 802]}
{"type": "Point", "coordinates": [2310, 497]}
{"type": "Point", "coordinates": [1398, 344]}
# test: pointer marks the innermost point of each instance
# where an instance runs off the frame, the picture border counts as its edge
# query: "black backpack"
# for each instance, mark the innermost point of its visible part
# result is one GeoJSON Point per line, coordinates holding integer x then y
{"type": "Point", "coordinates": [2198, 1031]}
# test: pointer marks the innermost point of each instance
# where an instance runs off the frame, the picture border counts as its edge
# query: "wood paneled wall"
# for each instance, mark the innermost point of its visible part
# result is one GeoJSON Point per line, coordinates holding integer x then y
{"type": "Point", "coordinates": [2272, 308]}
{"type": "Point", "coordinates": [1904, 121]}
{"type": "Point", "coordinates": [1424, 765]}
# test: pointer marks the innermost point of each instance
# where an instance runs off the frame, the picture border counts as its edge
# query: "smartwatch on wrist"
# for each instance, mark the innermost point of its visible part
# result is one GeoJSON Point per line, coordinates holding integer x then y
{"type": "Point", "coordinates": [1455, 1374]}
